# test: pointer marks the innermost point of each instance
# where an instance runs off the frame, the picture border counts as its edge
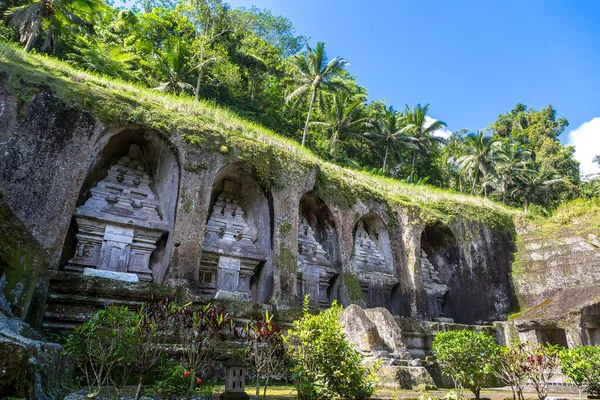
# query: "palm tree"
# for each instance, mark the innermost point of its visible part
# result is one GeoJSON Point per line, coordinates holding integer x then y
{"type": "Point", "coordinates": [597, 159]}
{"type": "Point", "coordinates": [29, 19]}
{"type": "Point", "coordinates": [454, 148]}
{"type": "Point", "coordinates": [391, 128]}
{"type": "Point", "coordinates": [509, 161]}
{"type": "Point", "coordinates": [341, 120]}
{"type": "Point", "coordinates": [315, 72]}
{"type": "Point", "coordinates": [174, 60]}
{"type": "Point", "coordinates": [477, 159]}
{"type": "Point", "coordinates": [535, 184]}
{"type": "Point", "coordinates": [422, 130]}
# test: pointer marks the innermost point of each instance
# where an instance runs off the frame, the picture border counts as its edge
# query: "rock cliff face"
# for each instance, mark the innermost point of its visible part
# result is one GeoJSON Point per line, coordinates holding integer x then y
{"type": "Point", "coordinates": [183, 205]}
{"type": "Point", "coordinates": [552, 257]}
{"type": "Point", "coordinates": [220, 229]}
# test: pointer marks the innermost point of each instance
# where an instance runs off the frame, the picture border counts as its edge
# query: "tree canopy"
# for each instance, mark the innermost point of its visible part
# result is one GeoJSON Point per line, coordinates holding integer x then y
{"type": "Point", "coordinates": [254, 63]}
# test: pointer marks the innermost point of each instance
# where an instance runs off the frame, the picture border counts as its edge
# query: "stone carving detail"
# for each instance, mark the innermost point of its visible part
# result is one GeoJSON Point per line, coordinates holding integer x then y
{"type": "Point", "coordinates": [315, 271]}
{"type": "Point", "coordinates": [119, 225]}
{"type": "Point", "coordinates": [434, 287]}
{"type": "Point", "coordinates": [230, 255]}
{"type": "Point", "coordinates": [372, 269]}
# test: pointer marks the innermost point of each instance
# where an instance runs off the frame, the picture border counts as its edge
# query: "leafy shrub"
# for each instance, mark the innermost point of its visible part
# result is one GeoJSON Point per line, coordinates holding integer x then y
{"type": "Point", "coordinates": [197, 329]}
{"type": "Point", "coordinates": [465, 356]}
{"type": "Point", "coordinates": [512, 368]}
{"type": "Point", "coordinates": [582, 365]}
{"type": "Point", "coordinates": [542, 363]}
{"type": "Point", "coordinates": [104, 348]}
{"type": "Point", "coordinates": [324, 364]}
{"type": "Point", "coordinates": [266, 351]}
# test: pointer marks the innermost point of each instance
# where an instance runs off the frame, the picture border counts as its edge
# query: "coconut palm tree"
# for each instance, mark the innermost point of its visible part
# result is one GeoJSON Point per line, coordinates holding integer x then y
{"type": "Point", "coordinates": [315, 72]}
{"type": "Point", "coordinates": [422, 131]}
{"type": "Point", "coordinates": [342, 118]}
{"type": "Point", "coordinates": [391, 128]}
{"type": "Point", "coordinates": [32, 17]}
{"type": "Point", "coordinates": [509, 161]}
{"type": "Point", "coordinates": [174, 60]}
{"type": "Point", "coordinates": [476, 163]}
{"type": "Point", "coordinates": [535, 185]}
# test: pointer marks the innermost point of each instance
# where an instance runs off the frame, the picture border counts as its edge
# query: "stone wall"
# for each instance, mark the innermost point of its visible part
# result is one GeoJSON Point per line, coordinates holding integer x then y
{"type": "Point", "coordinates": [231, 225]}
{"type": "Point", "coordinates": [552, 258]}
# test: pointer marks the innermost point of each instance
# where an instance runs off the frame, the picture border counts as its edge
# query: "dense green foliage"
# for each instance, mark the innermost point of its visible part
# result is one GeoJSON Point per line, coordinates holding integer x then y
{"type": "Point", "coordinates": [582, 365]}
{"type": "Point", "coordinates": [324, 364]}
{"type": "Point", "coordinates": [117, 345]}
{"type": "Point", "coordinates": [467, 357]}
{"type": "Point", "coordinates": [254, 63]}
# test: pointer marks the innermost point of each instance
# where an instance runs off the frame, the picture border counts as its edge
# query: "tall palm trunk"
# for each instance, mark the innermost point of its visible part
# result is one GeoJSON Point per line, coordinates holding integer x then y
{"type": "Point", "coordinates": [35, 33]}
{"type": "Point", "coordinates": [310, 107]}
{"type": "Point", "coordinates": [414, 162]}
{"type": "Point", "coordinates": [387, 148]}
{"type": "Point", "coordinates": [336, 137]}
{"type": "Point", "coordinates": [200, 75]}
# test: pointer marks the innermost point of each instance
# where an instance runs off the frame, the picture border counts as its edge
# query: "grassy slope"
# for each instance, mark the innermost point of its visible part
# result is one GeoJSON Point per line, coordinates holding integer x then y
{"type": "Point", "coordinates": [210, 127]}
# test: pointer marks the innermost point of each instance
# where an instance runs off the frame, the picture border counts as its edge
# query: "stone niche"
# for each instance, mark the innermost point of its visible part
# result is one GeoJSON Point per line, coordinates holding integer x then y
{"type": "Point", "coordinates": [318, 253]}
{"type": "Point", "coordinates": [372, 261]}
{"type": "Point", "coordinates": [439, 267]}
{"type": "Point", "coordinates": [237, 238]}
{"type": "Point", "coordinates": [122, 224]}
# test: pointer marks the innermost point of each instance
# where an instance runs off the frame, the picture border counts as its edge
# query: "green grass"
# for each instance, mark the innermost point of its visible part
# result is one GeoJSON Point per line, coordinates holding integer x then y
{"type": "Point", "coordinates": [210, 127]}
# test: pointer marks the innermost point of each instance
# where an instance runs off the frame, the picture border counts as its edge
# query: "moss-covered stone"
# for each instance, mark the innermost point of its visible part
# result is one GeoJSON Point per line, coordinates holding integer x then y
{"type": "Point", "coordinates": [353, 287]}
{"type": "Point", "coordinates": [286, 260]}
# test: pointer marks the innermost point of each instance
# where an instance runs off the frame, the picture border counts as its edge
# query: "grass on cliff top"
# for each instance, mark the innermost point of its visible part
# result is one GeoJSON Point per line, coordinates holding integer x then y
{"type": "Point", "coordinates": [580, 216]}
{"type": "Point", "coordinates": [115, 102]}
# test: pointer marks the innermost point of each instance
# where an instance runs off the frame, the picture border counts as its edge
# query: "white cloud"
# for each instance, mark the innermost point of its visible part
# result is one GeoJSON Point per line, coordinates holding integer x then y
{"type": "Point", "coordinates": [586, 140]}
{"type": "Point", "coordinates": [444, 132]}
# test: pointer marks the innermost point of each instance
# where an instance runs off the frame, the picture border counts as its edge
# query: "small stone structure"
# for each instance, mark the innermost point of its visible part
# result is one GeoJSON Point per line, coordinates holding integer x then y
{"type": "Point", "coordinates": [372, 268]}
{"type": "Point", "coordinates": [230, 256]}
{"type": "Point", "coordinates": [235, 380]}
{"type": "Point", "coordinates": [120, 224]}
{"type": "Point", "coordinates": [434, 287]}
{"type": "Point", "coordinates": [315, 271]}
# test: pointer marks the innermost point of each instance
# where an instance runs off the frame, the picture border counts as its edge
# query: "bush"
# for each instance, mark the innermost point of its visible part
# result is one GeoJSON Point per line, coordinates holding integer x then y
{"type": "Point", "coordinates": [104, 348]}
{"type": "Point", "coordinates": [266, 351]}
{"type": "Point", "coordinates": [582, 365]}
{"type": "Point", "coordinates": [324, 364]}
{"type": "Point", "coordinates": [467, 357]}
{"type": "Point", "coordinates": [512, 368]}
{"type": "Point", "coordinates": [542, 363]}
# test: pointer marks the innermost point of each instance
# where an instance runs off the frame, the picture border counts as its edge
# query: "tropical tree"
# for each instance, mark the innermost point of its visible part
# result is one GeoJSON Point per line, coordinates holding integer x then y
{"type": "Point", "coordinates": [174, 60]}
{"type": "Point", "coordinates": [315, 72]}
{"type": "Point", "coordinates": [422, 131]}
{"type": "Point", "coordinates": [477, 159]}
{"type": "Point", "coordinates": [342, 119]}
{"type": "Point", "coordinates": [392, 130]}
{"type": "Point", "coordinates": [535, 184]}
{"type": "Point", "coordinates": [597, 159]}
{"type": "Point", "coordinates": [509, 160]}
{"type": "Point", "coordinates": [467, 357]}
{"type": "Point", "coordinates": [32, 17]}
{"type": "Point", "coordinates": [453, 149]}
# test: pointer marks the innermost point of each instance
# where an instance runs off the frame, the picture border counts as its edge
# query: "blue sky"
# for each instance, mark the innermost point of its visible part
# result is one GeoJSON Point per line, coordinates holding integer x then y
{"type": "Point", "coordinates": [471, 60]}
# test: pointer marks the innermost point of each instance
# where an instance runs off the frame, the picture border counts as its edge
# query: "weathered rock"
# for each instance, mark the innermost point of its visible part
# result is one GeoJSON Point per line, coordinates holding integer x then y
{"type": "Point", "coordinates": [389, 332]}
{"type": "Point", "coordinates": [360, 330]}
{"type": "Point", "coordinates": [117, 276]}
{"type": "Point", "coordinates": [29, 366]}
{"type": "Point", "coordinates": [396, 377]}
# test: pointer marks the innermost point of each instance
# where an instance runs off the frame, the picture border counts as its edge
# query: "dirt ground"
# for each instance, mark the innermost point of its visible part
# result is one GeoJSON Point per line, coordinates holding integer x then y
{"type": "Point", "coordinates": [288, 392]}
